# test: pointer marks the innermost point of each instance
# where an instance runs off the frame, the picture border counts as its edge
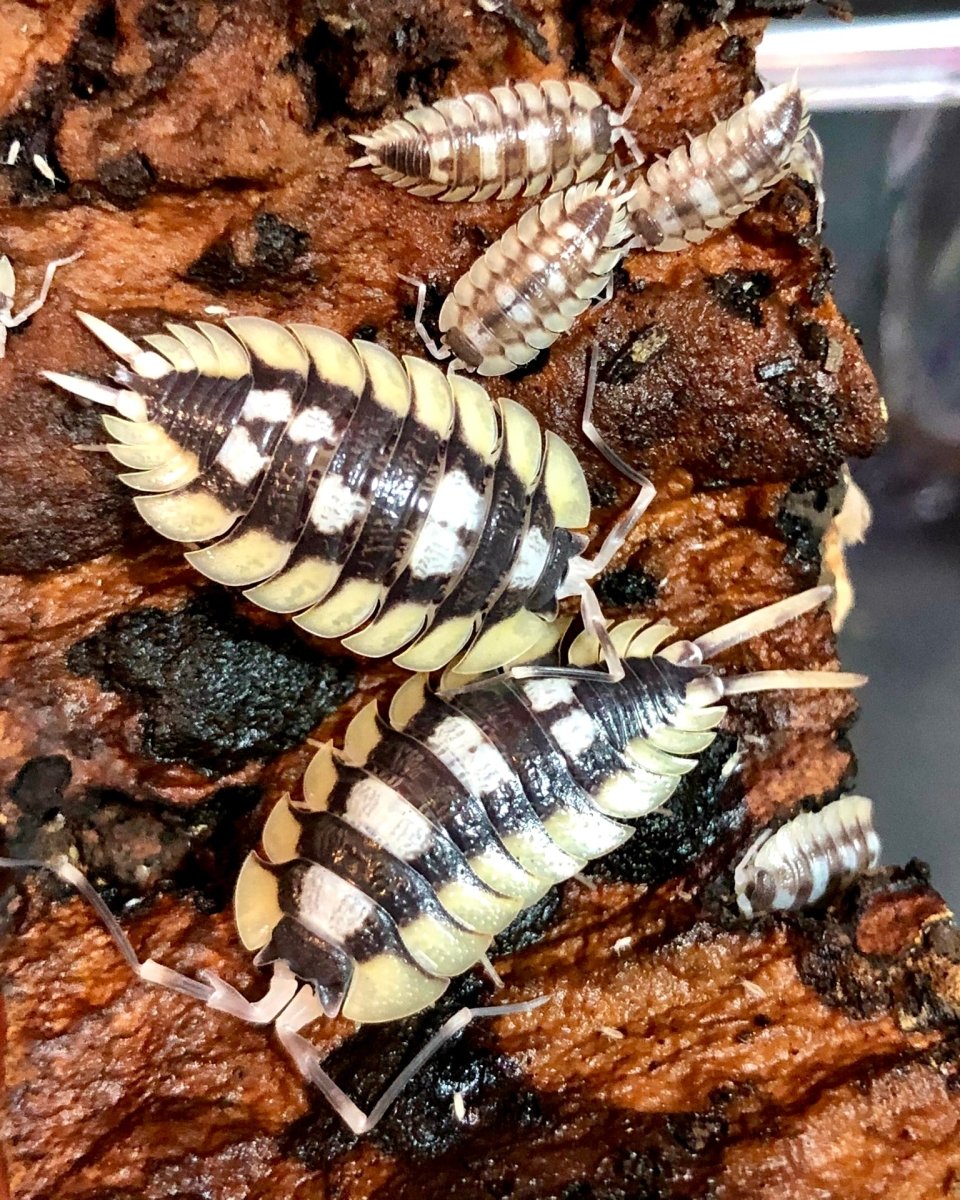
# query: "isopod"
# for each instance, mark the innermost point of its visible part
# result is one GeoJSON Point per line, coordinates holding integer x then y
{"type": "Point", "coordinates": [8, 291]}
{"type": "Point", "coordinates": [518, 139]}
{"type": "Point", "coordinates": [430, 831]}
{"type": "Point", "coordinates": [703, 187]}
{"type": "Point", "coordinates": [380, 501]}
{"type": "Point", "coordinates": [531, 285]}
{"type": "Point", "coordinates": [808, 857]}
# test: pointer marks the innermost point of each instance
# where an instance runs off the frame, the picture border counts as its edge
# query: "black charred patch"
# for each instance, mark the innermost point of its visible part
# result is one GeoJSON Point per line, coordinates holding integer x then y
{"type": "Point", "coordinates": [735, 52]}
{"type": "Point", "coordinates": [740, 292]}
{"type": "Point", "coordinates": [421, 1125]}
{"type": "Point", "coordinates": [171, 30]}
{"type": "Point", "coordinates": [129, 848]}
{"type": "Point", "coordinates": [602, 494]}
{"type": "Point", "coordinates": [469, 233]}
{"type": "Point", "coordinates": [815, 412]}
{"type": "Point", "coordinates": [700, 813]}
{"type": "Point", "coordinates": [814, 341]}
{"type": "Point", "coordinates": [365, 333]}
{"type": "Point", "coordinates": [508, 11]}
{"type": "Point", "coordinates": [529, 927]}
{"type": "Point", "coordinates": [359, 64]}
{"type": "Point", "coordinates": [627, 587]}
{"type": "Point", "coordinates": [214, 691]}
{"type": "Point", "coordinates": [803, 519]}
{"type": "Point", "coordinates": [279, 244]}
{"type": "Point", "coordinates": [641, 348]}
{"type": "Point", "coordinates": [823, 277]}
{"type": "Point", "coordinates": [85, 73]}
{"type": "Point", "coordinates": [127, 179]}
{"type": "Point", "coordinates": [277, 249]}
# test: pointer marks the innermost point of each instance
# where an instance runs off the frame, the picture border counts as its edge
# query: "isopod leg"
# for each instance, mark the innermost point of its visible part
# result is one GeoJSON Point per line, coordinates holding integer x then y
{"type": "Point", "coordinates": [617, 59]}
{"type": "Point", "coordinates": [438, 350]}
{"type": "Point", "coordinates": [214, 992]}
{"type": "Point", "coordinates": [35, 305]}
{"type": "Point", "coordinates": [309, 1062]}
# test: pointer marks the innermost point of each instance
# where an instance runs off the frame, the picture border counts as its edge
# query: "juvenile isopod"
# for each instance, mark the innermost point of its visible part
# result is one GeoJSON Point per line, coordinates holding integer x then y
{"type": "Point", "coordinates": [429, 831]}
{"type": "Point", "coordinates": [811, 855]}
{"type": "Point", "coordinates": [382, 502]}
{"type": "Point", "coordinates": [532, 284]}
{"type": "Point", "coordinates": [703, 187]}
{"type": "Point", "coordinates": [519, 138]}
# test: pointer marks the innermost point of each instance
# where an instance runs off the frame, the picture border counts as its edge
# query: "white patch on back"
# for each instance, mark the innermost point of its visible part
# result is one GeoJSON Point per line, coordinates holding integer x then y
{"type": "Point", "coordinates": [574, 733]}
{"type": "Point", "coordinates": [273, 405]}
{"type": "Point", "coordinates": [329, 906]}
{"type": "Point", "coordinates": [239, 457]}
{"type": "Point", "coordinates": [376, 810]}
{"type": "Point", "coordinates": [531, 559]}
{"type": "Point", "coordinates": [545, 694]}
{"type": "Point", "coordinates": [478, 764]}
{"type": "Point", "coordinates": [457, 509]}
{"type": "Point", "coordinates": [311, 425]}
{"type": "Point", "coordinates": [335, 506]}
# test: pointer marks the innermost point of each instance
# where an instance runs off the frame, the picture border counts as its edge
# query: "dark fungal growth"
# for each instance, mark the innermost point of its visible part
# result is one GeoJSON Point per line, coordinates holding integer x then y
{"type": "Point", "coordinates": [376, 500]}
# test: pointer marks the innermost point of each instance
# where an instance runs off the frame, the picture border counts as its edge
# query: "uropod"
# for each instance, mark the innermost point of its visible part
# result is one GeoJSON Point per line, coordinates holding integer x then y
{"type": "Point", "coordinates": [426, 834]}
{"type": "Point", "coordinates": [378, 500]}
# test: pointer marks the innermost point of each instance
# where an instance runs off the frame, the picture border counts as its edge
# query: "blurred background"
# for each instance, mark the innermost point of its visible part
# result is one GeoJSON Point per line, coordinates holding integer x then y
{"type": "Point", "coordinates": [892, 218]}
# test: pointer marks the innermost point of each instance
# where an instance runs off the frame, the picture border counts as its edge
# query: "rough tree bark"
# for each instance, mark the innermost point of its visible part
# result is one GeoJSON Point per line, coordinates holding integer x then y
{"type": "Point", "coordinates": [149, 719]}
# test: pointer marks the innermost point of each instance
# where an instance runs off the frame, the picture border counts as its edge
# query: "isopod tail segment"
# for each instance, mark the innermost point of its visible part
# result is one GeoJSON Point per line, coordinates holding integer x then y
{"type": "Point", "coordinates": [287, 1005]}
{"type": "Point", "coordinates": [521, 138]}
{"type": "Point", "coordinates": [375, 500]}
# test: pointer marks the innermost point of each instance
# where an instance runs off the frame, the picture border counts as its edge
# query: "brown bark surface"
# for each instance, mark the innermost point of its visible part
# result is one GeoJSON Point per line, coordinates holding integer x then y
{"type": "Point", "coordinates": [149, 719]}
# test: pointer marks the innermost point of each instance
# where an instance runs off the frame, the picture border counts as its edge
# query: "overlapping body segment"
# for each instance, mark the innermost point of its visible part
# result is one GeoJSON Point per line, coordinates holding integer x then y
{"type": "Point", "coordinates": [531, 285]}
{"type": "Point", "coordinates": [703, 187]}
{"type": "Point", "coordinates": [516, 139]}
{"type": "Point", "coordinates": [373, 499]}
{"type": "Point", "coordinates": [466, 805]}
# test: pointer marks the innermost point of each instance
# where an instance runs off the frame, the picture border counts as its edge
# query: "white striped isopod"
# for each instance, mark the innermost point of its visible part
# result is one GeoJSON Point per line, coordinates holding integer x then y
{"type": "Point", "coordinates": [516, 139]}
{"type": "Point", "coordinates": [703, 187]}
{"type": "Point", "coordinates": [811, 855]}
{"type": "Point", "coordinates": [428, 832]}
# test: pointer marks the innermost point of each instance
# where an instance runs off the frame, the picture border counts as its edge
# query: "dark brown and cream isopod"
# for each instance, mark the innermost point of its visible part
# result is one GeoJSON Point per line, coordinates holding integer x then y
{"type": "Point", "coordinates": [429, 831]}
{"type": "Point", "coordinates": [529, 287]}
{"type": "Point", "coordinates": [808, 857]}
{"type": "Point", "coordinates": [378, 500]}
{"type": "Point", "coordinates": [522, 138]}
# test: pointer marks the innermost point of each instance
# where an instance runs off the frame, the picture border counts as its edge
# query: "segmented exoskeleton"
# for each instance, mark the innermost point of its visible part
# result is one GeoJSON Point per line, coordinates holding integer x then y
{"type": "Point", "coordinates": [428, 832]}
{"type": "Point", "coordinates": [811, 855]}
{"type": "Point", "coordinates": [703, 187]}
{"type": "Point", "coordinates": [530, 286]}
{"type": "Point", "coordinates": [519, 138]}
{"type": "Point", "coordinates": [372, 497]}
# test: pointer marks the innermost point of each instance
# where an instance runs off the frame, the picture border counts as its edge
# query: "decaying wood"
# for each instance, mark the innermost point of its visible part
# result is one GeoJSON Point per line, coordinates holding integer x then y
{"type": "Point", "coordinates": [150, 720]}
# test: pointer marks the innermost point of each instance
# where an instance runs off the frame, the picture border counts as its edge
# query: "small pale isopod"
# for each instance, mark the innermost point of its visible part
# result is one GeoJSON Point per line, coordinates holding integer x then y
{"type": "Point", "coordinates": [814, 853]}
{"type": "Point", "coordinates": [430, 831]}
{"type": "Point", "coordinates": [531, 285]}
{"type": "Point", "coordinates": [705, 186]}
{"type": "Point", "coordinates": [521, 138]}
{"type": "Point", "coordinates": [380, 501]}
